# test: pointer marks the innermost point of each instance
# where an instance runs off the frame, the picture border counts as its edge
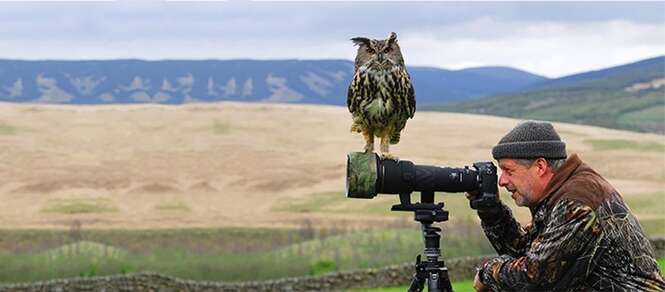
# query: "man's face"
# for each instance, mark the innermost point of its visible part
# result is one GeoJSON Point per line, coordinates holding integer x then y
{"type": "Point", "coordinates": [520, 180]}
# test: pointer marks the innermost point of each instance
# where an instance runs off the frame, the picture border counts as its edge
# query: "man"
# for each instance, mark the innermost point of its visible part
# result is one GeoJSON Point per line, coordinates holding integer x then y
{"type": "Point", "coordinates": [582, 236]}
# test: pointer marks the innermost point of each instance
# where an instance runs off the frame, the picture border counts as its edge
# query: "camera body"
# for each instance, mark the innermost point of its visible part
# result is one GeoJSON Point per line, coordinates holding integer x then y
{"type": "Point", "coordinates": [368, 175]}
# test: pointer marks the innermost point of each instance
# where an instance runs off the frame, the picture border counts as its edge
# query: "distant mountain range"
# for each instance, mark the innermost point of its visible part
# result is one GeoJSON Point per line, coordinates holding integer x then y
{"type": "Point", "coordinates": [176, 82]}
{"type": "Point", "coordinates": [630, 97]}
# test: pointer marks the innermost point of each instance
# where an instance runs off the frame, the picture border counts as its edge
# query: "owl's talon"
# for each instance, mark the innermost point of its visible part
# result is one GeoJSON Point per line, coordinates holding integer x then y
{"type": "Point", "coordinates": [389, 156]}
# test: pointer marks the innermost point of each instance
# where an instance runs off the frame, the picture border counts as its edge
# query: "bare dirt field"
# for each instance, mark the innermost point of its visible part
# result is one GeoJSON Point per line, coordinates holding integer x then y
{"type": "Point", "coordinates": [249, 165]}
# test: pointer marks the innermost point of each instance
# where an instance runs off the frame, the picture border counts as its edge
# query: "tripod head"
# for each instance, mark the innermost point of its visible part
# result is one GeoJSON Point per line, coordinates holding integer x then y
{"type": "Point", "coordinates": [426, 212]}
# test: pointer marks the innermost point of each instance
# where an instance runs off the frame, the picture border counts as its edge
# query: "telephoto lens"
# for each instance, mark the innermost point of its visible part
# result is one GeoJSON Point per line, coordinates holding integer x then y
{"type": "Point", "coordinates": [368, 175]}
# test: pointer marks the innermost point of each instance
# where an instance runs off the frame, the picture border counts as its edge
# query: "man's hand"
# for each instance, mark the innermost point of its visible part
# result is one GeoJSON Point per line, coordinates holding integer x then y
{"type": "Point", "coordinates": [479, 286]}
{"type": "Point", "coordinates": [472, 194]}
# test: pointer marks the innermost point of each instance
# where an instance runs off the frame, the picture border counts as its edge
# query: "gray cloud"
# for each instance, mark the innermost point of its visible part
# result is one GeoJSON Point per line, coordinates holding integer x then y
{"type": "Point", "coordinates": [151, 19]}
{"type": "Point", "coordinates": [242, 29]}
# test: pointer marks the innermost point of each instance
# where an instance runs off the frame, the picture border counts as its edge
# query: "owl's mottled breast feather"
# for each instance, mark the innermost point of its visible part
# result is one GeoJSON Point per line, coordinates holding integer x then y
{"type": "Point", "coordinates": [393, 89]}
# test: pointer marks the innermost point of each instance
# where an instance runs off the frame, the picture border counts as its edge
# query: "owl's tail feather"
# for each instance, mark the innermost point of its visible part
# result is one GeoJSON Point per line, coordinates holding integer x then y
{"type": "Point", "coordinates": [394, 138]}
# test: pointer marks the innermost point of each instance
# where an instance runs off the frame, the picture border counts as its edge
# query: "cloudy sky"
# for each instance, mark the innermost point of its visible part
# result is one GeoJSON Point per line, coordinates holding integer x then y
{"type": "Point", "coordinates": [553, 39]}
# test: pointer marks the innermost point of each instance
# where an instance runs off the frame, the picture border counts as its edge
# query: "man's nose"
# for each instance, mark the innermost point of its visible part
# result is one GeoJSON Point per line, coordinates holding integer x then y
{"type": "Point", "coordinates": [503, 181]}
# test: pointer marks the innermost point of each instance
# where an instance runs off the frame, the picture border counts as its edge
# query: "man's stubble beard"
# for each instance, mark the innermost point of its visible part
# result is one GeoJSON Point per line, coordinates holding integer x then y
{"type": "Point", "coordinates": [524, 197]}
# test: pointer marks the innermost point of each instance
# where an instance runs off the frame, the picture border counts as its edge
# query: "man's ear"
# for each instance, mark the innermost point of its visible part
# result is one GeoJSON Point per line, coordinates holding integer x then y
{"type": "Point", "coordinates": [542, 165]}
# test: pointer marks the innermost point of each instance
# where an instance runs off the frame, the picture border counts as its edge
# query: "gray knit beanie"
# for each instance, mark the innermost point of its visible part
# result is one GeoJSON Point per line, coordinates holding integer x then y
{"type": "Point", "coordinates": [531, 139]}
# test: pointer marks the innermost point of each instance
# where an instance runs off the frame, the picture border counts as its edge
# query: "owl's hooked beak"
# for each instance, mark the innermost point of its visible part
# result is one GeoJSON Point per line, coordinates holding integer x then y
{"type": "Point", "coordinates": [380, 57]}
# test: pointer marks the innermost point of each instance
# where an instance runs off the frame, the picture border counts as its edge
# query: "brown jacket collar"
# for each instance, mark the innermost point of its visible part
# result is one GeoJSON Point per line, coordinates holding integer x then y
{"type": "Point", "coordinates": [561, 176]}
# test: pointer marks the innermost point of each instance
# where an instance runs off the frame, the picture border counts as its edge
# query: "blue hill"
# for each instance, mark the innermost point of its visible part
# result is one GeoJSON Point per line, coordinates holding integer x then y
{"type": "Point", "coordinates": [183, 81]}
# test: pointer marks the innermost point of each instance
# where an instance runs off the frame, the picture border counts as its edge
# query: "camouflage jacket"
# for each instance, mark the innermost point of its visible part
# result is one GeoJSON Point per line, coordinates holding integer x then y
{"type": "Point", "coordinates": [582, 237]}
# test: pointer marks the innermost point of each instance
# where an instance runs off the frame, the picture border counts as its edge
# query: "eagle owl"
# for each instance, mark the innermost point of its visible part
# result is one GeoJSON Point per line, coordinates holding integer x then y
{"type": "Point", "coordinates": [380, 98]}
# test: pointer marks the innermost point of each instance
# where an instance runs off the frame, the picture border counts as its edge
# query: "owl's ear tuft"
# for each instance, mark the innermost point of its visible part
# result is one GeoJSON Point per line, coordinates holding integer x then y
{"type": "Point", "coordinates": [392, 38]}
{"type": "Point", "coordinates": [359, 41]}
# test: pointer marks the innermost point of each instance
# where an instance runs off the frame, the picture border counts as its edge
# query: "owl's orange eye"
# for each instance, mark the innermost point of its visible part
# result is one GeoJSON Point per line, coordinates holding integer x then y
{"type": "Point", "coordinates": [371, 51]}
{"type": "Point", "coordinates": [387, 50]}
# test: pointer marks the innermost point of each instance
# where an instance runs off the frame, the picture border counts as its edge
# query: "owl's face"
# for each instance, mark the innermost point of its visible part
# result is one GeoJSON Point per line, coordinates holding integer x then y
{"type": "Point", "coordinates": [378, 54]}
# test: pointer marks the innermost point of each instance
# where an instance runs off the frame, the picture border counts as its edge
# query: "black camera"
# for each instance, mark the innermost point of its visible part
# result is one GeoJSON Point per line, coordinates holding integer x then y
{"type": "Point", "coordinates": [368, 175]}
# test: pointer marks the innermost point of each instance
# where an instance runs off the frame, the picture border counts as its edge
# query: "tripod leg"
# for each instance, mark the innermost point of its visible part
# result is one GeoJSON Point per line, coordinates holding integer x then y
{"type": "Point", "coordinates": [417, 285]}
{"type": "Point", "coordinates": [443, 280]}
{"type": "Point", "coordinates": [439, 282]}
{"type": "Point", "coordinates": [419, 277]}
{"type": "Point", "coordinates": [434, 282]}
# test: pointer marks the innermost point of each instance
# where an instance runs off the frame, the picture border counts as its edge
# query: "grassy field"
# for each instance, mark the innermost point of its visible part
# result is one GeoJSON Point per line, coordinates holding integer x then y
{"type": "Point", "coordinates": [234, 191]}
{"type": "Point", "coordinates": [195, 240]}
{"type": "Point", "coordinates": [221, 254]}
{"type": "Point", "coordinates": [247, 165]}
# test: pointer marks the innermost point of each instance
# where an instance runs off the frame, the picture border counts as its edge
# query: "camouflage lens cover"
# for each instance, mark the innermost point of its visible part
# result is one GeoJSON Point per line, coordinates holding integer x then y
{"type": "Point", "coordinates": [361, 175]}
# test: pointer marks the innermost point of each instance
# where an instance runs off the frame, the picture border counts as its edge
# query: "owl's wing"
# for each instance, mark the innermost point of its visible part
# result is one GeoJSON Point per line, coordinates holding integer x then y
{"type": "Point", "coordinates": [352, 99]}
{"type": "Point", "coordinates": [411, 99]}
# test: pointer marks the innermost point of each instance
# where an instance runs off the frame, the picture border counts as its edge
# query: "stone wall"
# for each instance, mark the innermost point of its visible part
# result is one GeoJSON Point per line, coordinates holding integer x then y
{"type": "Point", "coordinates": [460, 268]}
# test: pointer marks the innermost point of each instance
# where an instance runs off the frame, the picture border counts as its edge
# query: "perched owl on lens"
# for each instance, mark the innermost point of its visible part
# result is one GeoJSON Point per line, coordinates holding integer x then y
{"type": "Point", "coordinates": [380, 98]}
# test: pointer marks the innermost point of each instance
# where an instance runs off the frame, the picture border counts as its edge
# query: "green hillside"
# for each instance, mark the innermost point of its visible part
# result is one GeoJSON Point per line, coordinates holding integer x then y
{"type": "Point", "coordinates": [630, 97]}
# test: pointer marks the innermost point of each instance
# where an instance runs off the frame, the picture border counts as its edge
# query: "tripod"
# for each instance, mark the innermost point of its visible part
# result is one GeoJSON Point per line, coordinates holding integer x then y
{"type": "Point", "coordinates": [432, 270]}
